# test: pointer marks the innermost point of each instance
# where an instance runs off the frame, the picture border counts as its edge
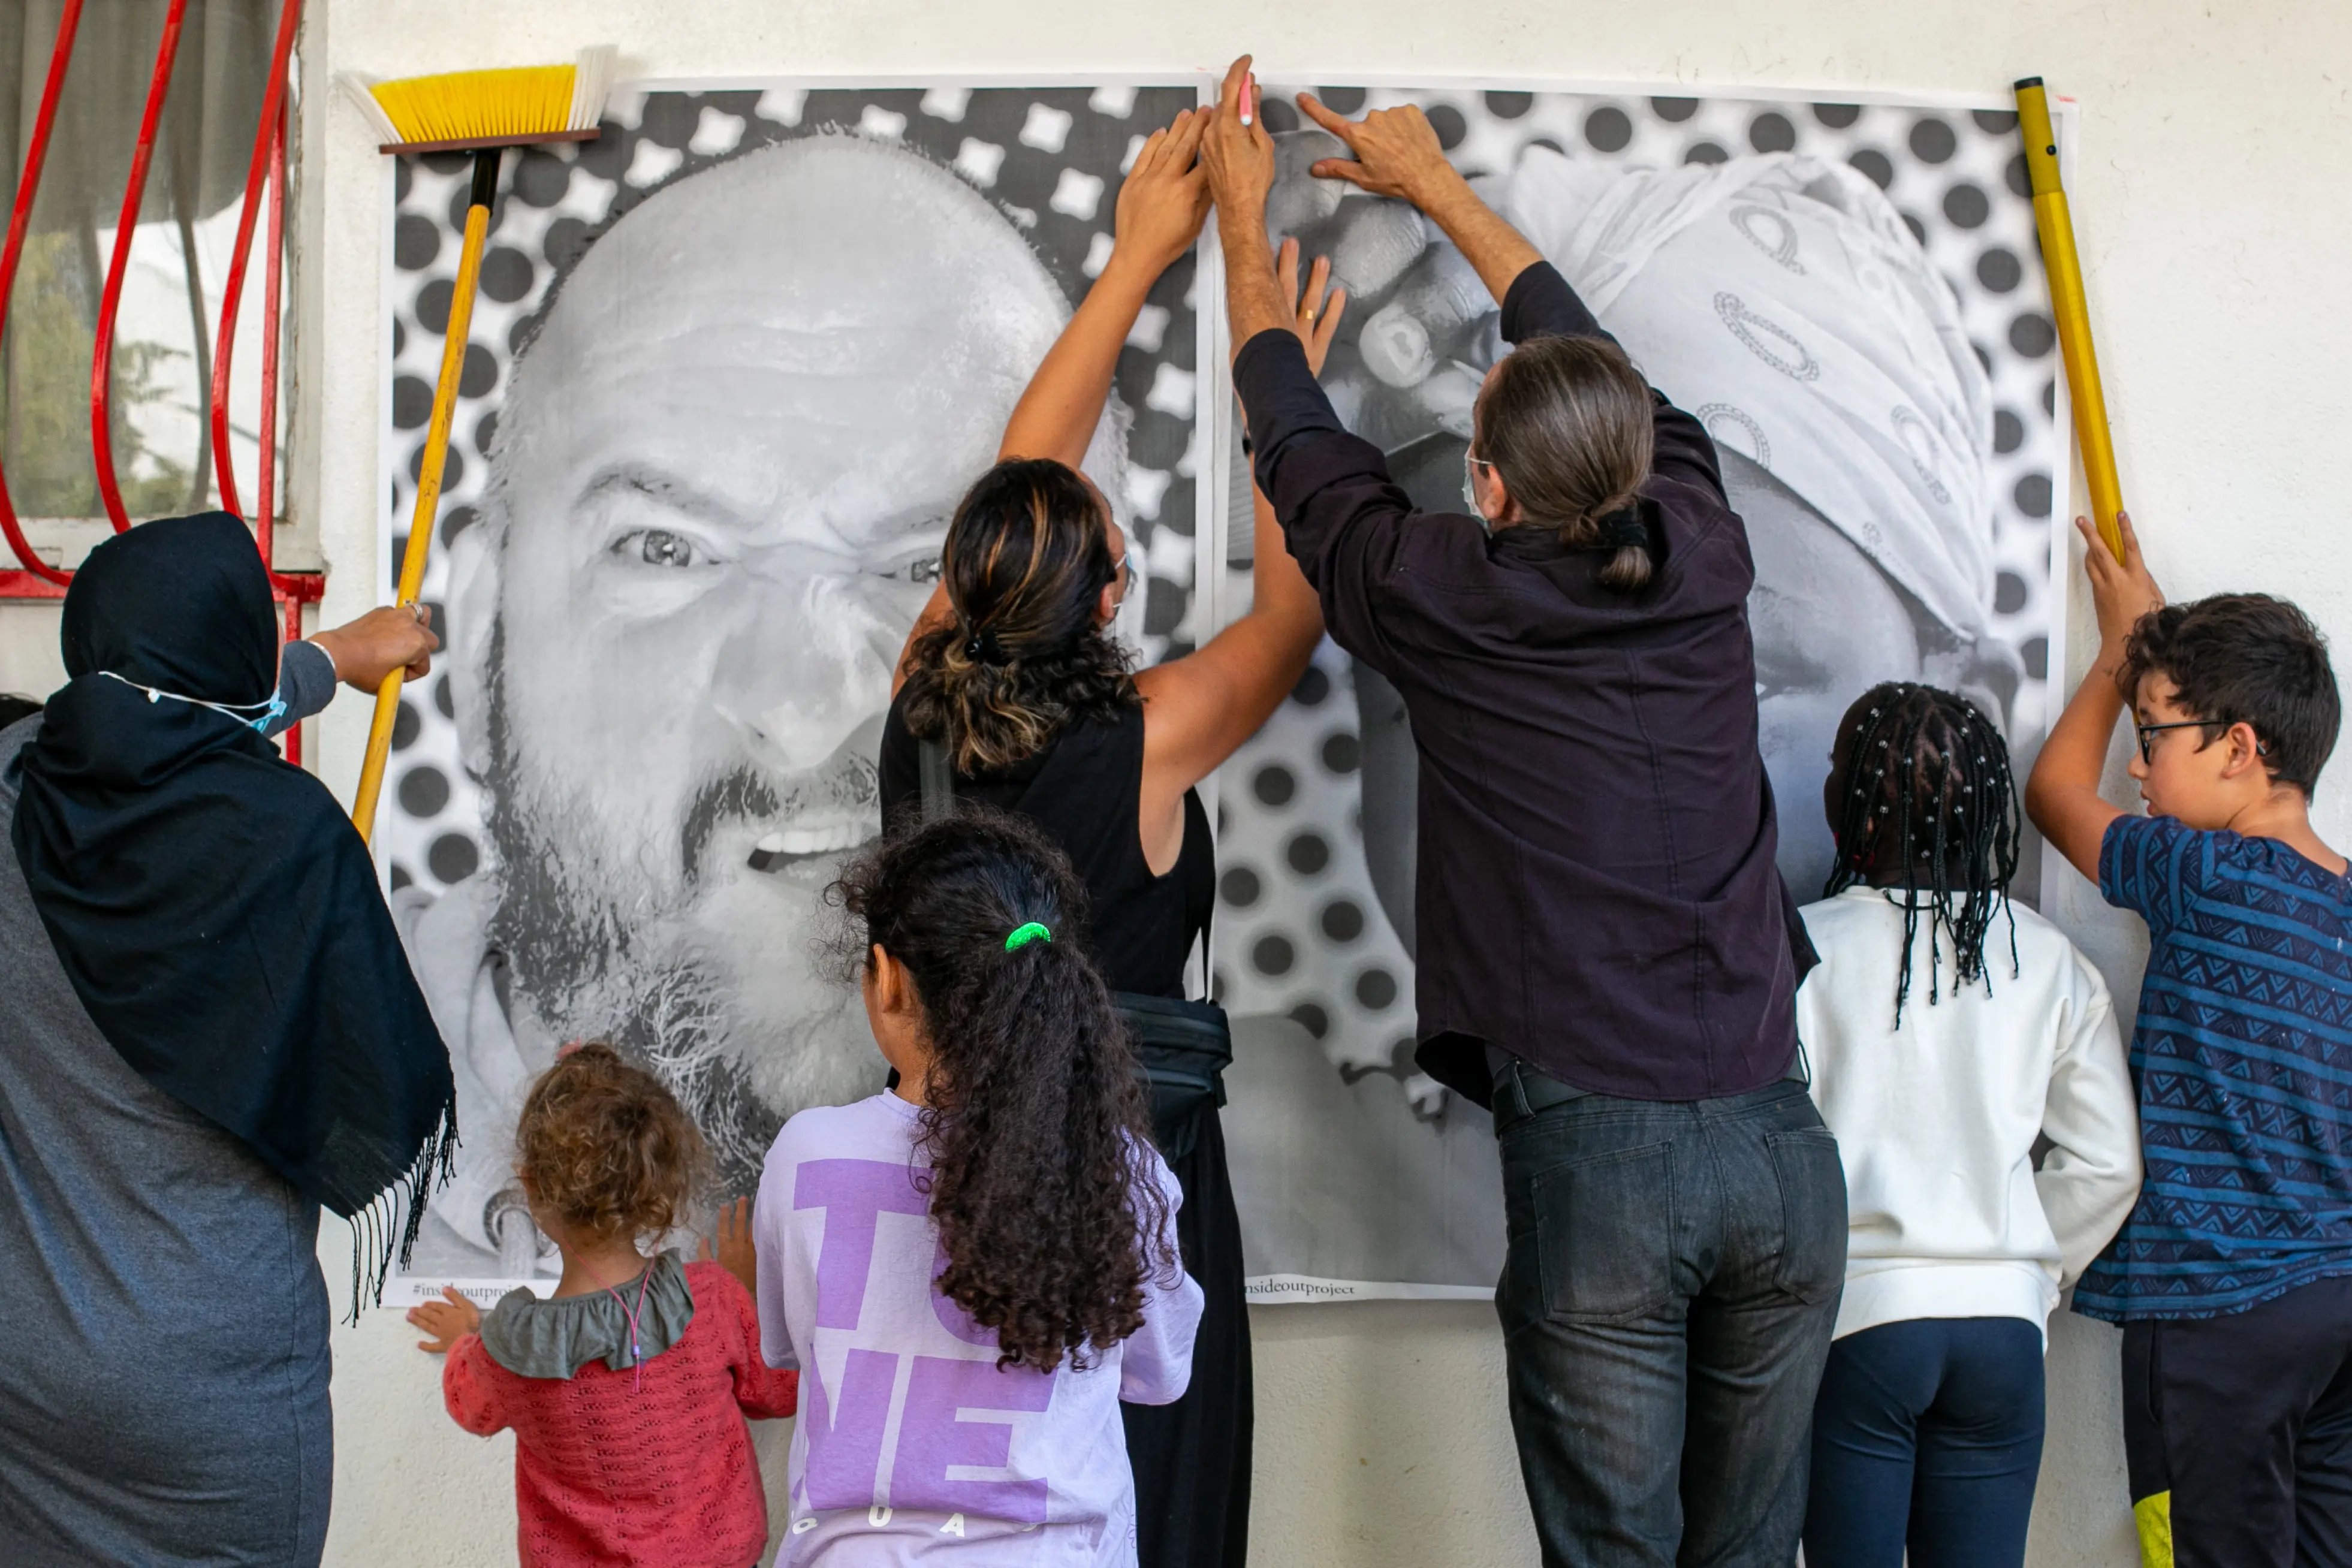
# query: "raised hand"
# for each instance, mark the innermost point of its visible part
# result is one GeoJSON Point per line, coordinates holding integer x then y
{"type": "Point", "coordinates": [2121, 591]}
{"type": "Point", "coordinates": [447, 1320]}
{"type": "Point", "coordinates": [1164, 199]}
{"type": "Point", "coordinates": [1318, 317]}
{"type": "Point", "coordinates": [1396, 152]}
{"type": "Point", "coordinates": [1238, 155]}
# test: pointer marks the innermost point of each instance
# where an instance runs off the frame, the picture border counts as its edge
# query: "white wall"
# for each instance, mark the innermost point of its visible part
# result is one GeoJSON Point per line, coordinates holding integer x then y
{"type": "Point", "coordinates": [2215, 152]}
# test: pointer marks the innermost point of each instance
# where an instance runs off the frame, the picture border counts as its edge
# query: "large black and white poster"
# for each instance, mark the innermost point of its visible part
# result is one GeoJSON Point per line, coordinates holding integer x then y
{"type": "Point", "coordinates": [1849, 297]}
{"type": "Point", "coordinates": [732, 364]}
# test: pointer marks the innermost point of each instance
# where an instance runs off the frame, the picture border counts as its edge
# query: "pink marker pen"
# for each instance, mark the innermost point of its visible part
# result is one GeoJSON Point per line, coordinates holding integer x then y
{"type": "Point", "coordinates": [1246, 83]}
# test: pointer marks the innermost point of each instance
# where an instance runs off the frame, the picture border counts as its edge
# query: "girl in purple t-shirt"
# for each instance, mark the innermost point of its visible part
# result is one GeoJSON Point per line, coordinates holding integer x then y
{"type": "Point", "coordinates": [973, 1269]}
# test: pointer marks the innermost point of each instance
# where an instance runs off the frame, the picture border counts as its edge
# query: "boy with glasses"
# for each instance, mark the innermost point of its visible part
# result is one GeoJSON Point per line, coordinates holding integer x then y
{"type": "Point", "coordinates": [2233, 1278]}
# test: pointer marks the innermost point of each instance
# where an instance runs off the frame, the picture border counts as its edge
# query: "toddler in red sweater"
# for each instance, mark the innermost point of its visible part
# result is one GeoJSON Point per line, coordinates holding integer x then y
{"type": "Point", "coordinates": [628, 1388]}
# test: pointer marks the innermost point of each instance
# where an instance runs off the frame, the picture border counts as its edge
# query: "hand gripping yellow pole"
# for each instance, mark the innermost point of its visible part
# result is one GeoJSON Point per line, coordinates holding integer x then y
{"type": "Point", "coordinates": [428, 478]}
{"type": "Point", "coordinates": [2073, 316]}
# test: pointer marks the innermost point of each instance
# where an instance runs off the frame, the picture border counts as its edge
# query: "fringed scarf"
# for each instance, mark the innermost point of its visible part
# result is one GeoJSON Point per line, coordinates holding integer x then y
{"type": "Point", "coordinates": [214, 908]}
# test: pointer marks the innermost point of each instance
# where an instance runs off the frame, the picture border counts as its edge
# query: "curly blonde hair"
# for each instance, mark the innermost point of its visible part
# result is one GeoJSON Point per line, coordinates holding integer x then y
{"type": "Point", "coordinates": [603, 1147]}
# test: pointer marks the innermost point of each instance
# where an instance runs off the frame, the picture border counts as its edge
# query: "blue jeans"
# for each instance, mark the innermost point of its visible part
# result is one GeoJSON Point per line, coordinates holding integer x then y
{"type": "Point", "coordinates": [1927, 1435]}
{"type": "Point", "coordinates": [1667, 1297]}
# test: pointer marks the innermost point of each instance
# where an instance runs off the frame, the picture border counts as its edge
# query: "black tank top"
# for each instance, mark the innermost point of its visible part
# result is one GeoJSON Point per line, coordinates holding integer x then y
{"type": "Point", "coordinates": [1084, 790]}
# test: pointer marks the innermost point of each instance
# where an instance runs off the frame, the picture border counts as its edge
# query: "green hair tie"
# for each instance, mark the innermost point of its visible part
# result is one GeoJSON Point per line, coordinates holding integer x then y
{"type": "Point", "coordinates": [1023, 935]}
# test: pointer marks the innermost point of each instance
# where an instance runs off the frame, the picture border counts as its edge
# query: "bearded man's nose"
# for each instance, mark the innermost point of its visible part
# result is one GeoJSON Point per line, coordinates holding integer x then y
{"type": "Point", "coordinates": [798, 715]}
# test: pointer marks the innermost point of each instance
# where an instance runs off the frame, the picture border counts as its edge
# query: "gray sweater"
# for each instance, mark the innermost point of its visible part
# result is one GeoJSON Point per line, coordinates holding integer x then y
{"type": "Point", "coordinates": [163, 1399]}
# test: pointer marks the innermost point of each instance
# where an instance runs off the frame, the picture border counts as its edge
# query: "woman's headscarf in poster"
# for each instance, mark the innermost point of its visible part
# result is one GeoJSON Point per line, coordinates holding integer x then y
{"type": "Point", "coordinates": [1781, 300]}
{"type": "Point", "coordinates": [214, 908]}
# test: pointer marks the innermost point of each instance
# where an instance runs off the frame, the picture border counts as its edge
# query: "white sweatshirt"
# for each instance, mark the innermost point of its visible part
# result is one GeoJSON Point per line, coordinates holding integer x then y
{"type": "Point", "coordinates": [1937, 1122]}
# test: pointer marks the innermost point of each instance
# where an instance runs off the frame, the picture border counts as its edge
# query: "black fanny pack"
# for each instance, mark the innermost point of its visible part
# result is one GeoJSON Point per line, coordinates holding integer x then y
{"type": "Point", "coordinates": [1182, 1048]}
{"type": "Point", "coordinates": [1181, 1051]}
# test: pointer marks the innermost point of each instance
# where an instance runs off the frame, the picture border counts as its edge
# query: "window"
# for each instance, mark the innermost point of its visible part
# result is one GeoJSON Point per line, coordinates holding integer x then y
{"type": "Point", "coordinates": [178, 262]}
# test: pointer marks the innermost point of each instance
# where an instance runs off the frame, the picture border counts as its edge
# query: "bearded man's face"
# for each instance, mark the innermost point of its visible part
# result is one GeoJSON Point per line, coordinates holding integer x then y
{"type": "Point", "coordinates": [721, 487]}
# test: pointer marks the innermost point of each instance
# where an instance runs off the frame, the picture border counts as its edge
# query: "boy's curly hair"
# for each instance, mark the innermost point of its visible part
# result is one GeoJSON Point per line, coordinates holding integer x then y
{"type": "Point", "coordinates": [603, 1147]}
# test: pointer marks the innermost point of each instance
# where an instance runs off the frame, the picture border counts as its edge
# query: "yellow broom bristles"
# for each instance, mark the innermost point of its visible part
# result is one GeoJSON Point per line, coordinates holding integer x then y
{"type": "Point", "coordinates": [461, 106]}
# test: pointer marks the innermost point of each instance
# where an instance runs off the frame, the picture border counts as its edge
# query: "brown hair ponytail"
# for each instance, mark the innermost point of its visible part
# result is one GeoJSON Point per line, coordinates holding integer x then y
{"type": "Point", "coordinates": [1568, 424]}
{"type": "Point", "coordinates": [1027, 557]}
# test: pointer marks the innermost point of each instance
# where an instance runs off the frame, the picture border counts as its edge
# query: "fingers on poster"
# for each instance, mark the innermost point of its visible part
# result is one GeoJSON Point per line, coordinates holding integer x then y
{"type": "Point", "coordinates": [1305, 929]}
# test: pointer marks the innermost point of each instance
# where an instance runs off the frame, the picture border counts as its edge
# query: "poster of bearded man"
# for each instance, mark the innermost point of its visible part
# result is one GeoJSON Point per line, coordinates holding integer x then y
{"type": "Point", "coordinates": [733, 365]}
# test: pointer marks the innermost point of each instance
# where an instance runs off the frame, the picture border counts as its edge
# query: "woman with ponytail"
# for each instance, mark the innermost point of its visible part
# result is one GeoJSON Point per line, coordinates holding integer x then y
{"type": "Point", "coordinates": [972, 1269]}
{"type": "Point", "coordinates": [1014, 693]}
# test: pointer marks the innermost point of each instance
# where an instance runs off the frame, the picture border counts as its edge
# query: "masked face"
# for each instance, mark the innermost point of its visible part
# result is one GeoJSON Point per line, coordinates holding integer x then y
{"type": "Point", "coordinates": [724, 482]}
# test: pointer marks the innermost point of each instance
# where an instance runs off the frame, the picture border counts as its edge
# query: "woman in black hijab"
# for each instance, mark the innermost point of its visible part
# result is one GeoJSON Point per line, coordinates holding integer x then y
{"type": "Point", "coordinates": [207, 1031]}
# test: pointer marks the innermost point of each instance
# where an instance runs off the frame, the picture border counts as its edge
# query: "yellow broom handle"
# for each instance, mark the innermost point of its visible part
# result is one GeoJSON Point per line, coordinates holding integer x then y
{"type": "Point", "coordinates": [2073, 315]}
{"type": "Point", "coordinates": [428, 479]}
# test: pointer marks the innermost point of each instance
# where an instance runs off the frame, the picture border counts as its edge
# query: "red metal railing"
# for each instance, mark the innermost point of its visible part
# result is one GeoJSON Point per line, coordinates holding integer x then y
{"type": "Point", "coordinates": [37, 579]}
{"type": "Point", "coordinates": [268, 166]}
{"type": "Point", "coordinates": [45, 580]}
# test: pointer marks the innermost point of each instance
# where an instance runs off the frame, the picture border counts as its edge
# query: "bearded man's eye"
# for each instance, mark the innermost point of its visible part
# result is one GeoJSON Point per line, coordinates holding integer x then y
{"type": "Point", "coordinates": [658, 547]}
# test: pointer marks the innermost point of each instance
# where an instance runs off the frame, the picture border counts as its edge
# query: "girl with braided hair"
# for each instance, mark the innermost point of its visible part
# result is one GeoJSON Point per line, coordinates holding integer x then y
{"type": "Point", "coordinates": [1928, 1428]}
{"type": "Point", "coordinates": [973, 1268]}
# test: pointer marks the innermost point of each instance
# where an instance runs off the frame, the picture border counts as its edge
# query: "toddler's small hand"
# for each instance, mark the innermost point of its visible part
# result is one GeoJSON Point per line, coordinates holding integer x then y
{"type": "Point", "coordinates": [736, 1252]}
{"type": "Point", "coordinates": [448, 1320]}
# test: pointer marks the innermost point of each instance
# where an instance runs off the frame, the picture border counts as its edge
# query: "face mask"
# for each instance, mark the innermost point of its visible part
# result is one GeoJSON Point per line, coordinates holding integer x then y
{"type": "Point", "coordinates": [270, 711]}
{"type": "Point", "coordinates": [1470, 466]}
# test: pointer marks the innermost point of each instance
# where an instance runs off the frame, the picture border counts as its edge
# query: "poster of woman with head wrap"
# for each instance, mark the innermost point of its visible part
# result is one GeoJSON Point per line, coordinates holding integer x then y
{"type": "Point", "coordinates": [1849, 297]}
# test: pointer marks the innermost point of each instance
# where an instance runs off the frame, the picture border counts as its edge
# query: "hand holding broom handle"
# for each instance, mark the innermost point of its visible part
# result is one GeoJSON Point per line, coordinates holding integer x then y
{"type": "Point", "coordinates": [2068, 305]}
{"type": "Point", "coordinates": [428, 478]}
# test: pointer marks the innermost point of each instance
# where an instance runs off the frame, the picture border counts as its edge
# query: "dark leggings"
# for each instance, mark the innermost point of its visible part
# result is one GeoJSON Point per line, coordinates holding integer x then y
{"type": "Point", "coordinates": [1192, 1459]}
{"type": "Point", "coordinates": [1927, 1436]}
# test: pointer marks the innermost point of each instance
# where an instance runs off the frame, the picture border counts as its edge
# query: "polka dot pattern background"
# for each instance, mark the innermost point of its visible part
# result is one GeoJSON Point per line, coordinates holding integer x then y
{"type": "Point", "coordinates": [1048, 159]}
{"type": "Point", "coordinates": [1300, 931]}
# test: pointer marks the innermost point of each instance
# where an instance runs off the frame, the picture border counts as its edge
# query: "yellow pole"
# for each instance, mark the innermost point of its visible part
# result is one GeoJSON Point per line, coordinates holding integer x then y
{"type": "Point", "coordinates": [2073, 316]}
{"type": "Point", "coordinates": [428, 478]}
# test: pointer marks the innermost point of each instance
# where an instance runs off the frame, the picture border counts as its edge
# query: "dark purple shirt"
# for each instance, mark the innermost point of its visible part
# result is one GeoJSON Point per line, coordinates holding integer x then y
{"type": "Point", "coordinates": [1595, 891]}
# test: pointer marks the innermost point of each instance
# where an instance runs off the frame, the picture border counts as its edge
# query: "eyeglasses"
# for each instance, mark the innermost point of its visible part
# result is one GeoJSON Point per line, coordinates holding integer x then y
{"type": "Point", "coordinates": [2148, 747]}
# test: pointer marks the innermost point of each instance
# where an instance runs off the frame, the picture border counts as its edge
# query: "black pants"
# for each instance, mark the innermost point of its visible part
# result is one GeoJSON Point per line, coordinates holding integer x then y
{"type": "Point", "coordinates": [1667, 1297]}
{"type": "Point", "coordinates": [2238, 1434]}
{"type": "Point", "coordinates": [1927, 1435]}
{"type": "Point", "coordinates": [1192, 1459]}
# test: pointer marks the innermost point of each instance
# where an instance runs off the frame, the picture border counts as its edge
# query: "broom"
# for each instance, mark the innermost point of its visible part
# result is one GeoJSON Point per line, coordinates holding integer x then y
{"type": "Point", "coordinates": [482, 113]}
{"type": "Point", "coordinates": [2072, 311]}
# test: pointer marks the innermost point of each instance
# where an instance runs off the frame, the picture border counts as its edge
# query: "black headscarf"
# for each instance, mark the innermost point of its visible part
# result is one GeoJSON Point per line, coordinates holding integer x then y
{"type": "Point", "coordinates": [214, 908]}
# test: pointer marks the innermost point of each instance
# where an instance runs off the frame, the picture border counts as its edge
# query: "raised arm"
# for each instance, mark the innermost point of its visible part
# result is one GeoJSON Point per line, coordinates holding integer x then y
{"type": "Point", "coordinates": [1397, 154]}
{"type": "Point", "coordinates": [2062, 794]}
{"type": "Point", "coordinates": [1162, 202]}
{"type": "Point", "coordinates": [1197, 710]}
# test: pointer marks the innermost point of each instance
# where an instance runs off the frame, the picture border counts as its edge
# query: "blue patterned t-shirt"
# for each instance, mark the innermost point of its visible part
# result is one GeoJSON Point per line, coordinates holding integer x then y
{"type": "Point", "coordinates": [2242, 1058]}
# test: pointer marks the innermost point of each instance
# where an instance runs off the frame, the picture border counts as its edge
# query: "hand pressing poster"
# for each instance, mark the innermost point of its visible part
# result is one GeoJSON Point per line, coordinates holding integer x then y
{"type": "Point", "coordinates": [732, 365]}
{"type": "Point", "coordinates": [1850, 298]}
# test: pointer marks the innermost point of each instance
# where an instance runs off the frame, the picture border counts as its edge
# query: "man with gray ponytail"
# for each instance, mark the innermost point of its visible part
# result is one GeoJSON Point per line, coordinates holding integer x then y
{"type": "Point", "coordinates": [1607, 955]}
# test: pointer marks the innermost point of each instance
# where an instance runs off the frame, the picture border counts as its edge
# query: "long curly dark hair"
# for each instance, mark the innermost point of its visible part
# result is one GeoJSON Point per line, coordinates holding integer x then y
{"type": "Point", "coordinates": [1026, 560]}
{"type": "Point", "coordinates": [1035, 1129]}
{"type": "Point", "coordinates": [1925, 802]}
